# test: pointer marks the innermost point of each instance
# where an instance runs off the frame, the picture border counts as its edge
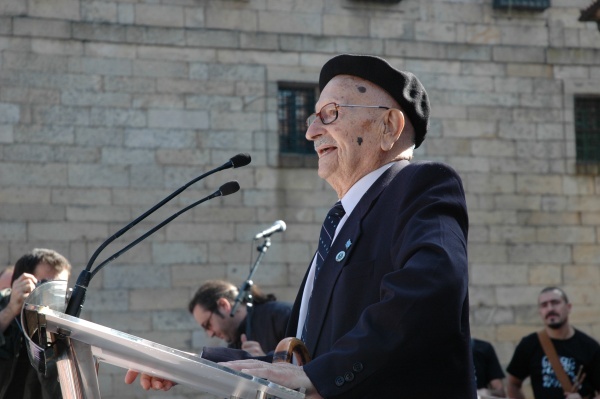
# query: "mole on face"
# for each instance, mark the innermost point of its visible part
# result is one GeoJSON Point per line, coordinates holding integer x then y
{"type": "Point", "coordinates": [361, 89]}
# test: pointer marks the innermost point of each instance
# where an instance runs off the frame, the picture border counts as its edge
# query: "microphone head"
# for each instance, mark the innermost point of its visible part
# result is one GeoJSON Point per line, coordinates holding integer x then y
{"type": "Point", "coordinates": [229, 188]}
{"type": "Point", "coordinates": [281, 225]}
{"type": "Point", "coordinates": [240, 160]}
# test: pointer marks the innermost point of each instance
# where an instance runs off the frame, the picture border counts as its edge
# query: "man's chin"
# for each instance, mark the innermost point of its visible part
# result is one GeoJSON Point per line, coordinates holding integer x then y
{"type": "Point", "coordinates": [323, 171]}
{"type": "Point", "coordinates": [556, 325]}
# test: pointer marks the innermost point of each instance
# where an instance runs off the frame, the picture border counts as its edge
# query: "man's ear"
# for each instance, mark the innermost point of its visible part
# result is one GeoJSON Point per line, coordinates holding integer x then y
{"type": "Point", "coordinates": [223, 303]}
{"type": "Point", "coordinates": [394, 126]}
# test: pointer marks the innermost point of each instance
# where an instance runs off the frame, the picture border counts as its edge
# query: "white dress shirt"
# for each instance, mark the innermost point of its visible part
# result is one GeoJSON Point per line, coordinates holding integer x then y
{"type": "Point", "coordinates": [349, 202]}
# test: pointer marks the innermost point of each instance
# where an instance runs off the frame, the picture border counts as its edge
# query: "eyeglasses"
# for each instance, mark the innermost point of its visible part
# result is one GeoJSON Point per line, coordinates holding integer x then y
{"type": "Point", "coordinates": [329, 112]}
{"type": "Point", "coordinates": [206, 325]}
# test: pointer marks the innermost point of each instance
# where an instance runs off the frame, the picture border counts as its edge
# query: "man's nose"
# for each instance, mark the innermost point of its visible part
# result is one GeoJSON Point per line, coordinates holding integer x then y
{"type": "Point", "coordinates": [549, 306]}
{"type": "Point", "coordinates": [314, 130]}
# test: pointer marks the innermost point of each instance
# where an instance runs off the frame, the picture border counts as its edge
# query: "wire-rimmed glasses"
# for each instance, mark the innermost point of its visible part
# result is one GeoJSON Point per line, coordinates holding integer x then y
{"type": "Point", "coordinates": [329, 112]}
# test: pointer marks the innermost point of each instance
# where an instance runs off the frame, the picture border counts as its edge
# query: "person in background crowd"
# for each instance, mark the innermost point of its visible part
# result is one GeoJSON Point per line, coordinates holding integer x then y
{"type": "Point", "coordinates": [488, 372]}
{"type": "Point", "coordinates": [391, 263]}
{"type": "Point", "coordinates": [579, 355]}
{"type": "Point", "coordinates": [18, 379]}
{"type": "Point", "coordinates": [265, 320]}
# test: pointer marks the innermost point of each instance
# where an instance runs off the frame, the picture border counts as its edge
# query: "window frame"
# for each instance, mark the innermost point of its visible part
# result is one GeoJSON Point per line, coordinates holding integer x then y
{"type": "Point", "coordinates": [531, 5]}
{"type": "Point", "coordinates": [291, 155]}
{"type": "Point", "coordinates": [584, 163]}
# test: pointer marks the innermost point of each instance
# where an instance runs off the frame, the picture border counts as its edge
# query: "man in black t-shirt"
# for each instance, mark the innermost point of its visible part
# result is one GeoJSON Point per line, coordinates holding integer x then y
{"type": "Point", "coordinates": [488, 372]}
{"type": "Point", "coordinates": [579, 355]}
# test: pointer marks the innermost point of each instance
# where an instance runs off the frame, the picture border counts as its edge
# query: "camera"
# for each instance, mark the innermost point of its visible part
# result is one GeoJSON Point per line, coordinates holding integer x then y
{"type": "Point", "coordinates": [42, 281]}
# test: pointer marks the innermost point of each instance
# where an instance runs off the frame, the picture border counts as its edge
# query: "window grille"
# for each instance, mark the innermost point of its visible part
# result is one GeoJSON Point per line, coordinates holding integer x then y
{"type": "Point", "coordinates": [294, 104]}
{"type": "Point", "coordinates": [535, 5]}
{"type": "Point", "coordinates": [379, 1]}
{"type": "Point", "coordinates": [587, 133]}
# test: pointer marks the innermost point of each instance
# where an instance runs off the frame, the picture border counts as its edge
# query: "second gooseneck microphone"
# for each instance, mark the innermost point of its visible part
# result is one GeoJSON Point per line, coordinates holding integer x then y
{"type": "Point", "coordinates": [235, 162]}
{"type": "Point", "coordinates": [75, 304]}
{"type": "Point", "coordinates": [77, 299]}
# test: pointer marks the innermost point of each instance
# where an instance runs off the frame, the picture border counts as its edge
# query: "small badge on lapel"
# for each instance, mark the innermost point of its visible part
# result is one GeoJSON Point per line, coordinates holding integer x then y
{"type": "Point", "coordinates": [348, 243]}
{"type": "Point", "coordinates": [340, 256]}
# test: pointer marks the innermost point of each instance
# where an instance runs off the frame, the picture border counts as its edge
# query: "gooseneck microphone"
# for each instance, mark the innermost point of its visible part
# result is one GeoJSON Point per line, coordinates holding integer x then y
{"type": "Point", "coordinates": [237, 161]}
{"type": "Point", "coordinates": [226, 189]}
{"type": "Point", "coordinates": [278, 226]}
{"type": "Point", "coordinates": [77, 299]}
{"type": "Point", "coordinates": [75, 303]}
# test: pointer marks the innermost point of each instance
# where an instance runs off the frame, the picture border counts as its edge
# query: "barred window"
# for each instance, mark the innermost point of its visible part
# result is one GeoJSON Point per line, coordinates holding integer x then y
{"type": "Point", "coordinates": [534, 5]}
{"type": "Point", "coordinates": [587, 133]}
{"type": "Point", "coordinates": [295, 102]}
{"type": "Point", "coordinates": [378, 1]}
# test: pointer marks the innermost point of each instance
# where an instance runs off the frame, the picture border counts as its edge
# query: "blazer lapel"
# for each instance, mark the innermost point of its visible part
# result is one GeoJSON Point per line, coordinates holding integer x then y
{"type": "Point", "coordinates": [340, 254]}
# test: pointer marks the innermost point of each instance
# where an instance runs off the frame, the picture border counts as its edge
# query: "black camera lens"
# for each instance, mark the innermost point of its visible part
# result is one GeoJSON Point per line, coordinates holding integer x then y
{"type": "Point", "coordinates": [41, 282]}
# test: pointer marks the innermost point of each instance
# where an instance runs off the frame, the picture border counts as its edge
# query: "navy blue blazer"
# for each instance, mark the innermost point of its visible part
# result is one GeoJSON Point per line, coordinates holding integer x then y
{"type": "Point", "coordinates": [391, 319]}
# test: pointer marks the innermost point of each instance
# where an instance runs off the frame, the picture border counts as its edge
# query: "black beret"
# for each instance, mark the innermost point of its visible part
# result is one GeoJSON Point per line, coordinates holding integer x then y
{"type": "Point", "coordinates": [404, 87]}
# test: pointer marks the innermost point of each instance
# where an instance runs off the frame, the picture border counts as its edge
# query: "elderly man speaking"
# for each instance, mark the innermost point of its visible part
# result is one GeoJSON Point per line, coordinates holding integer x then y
{"type": "Point", "coordinates": [383, 308]}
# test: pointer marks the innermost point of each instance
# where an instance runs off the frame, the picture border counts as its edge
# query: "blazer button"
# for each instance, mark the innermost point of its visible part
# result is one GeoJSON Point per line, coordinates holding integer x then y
{"type": "Point", "coordinates": [349, 376]}
{"type": "Point", "coordinates": [357, 367]}
{"type": "Point", "coordinates": [339, 381]}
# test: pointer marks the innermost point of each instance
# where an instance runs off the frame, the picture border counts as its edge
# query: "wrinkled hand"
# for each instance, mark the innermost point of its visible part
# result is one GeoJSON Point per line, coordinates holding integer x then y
{"type": "Point", "coordinates": [21, 289]}
{"type": "Point", "coordinates": [285, 374]}
{"type": "Point", "coordinates": [252, 347]}
{"type": "Point", "coordinates": [149, 382]}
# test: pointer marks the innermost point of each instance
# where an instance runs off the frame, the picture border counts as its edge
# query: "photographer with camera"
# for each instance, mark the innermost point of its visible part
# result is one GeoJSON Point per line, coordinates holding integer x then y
{"type": "Point", "coordinates": [18, 379]}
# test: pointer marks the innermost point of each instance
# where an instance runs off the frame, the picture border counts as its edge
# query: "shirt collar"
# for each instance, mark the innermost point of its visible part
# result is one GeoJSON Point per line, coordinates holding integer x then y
{"type": "Point", "coordinates": [350, 200]}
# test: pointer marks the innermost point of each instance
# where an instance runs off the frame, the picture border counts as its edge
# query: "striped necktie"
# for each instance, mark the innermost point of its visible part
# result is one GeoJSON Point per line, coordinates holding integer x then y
{"type": "Point", "coordinates": [331, 222]}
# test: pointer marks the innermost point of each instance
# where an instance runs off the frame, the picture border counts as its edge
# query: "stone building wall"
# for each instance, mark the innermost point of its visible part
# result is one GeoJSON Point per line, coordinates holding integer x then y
{"type": "Point", "coordinates": [106, 107]}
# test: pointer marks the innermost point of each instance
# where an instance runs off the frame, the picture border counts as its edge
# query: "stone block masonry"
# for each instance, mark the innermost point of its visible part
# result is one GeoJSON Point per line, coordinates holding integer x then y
{"type": "Point", "coordinates": [107, 107]}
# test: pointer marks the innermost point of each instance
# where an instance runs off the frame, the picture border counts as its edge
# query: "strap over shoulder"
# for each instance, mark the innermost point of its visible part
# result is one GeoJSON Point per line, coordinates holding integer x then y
{"type": "Point", "coordinates": [550, 352]}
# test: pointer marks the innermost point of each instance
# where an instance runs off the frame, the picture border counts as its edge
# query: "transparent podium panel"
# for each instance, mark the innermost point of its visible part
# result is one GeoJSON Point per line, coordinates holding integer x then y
{"type": "Point", "coordinates": [77, 346]}
{"type": "Point", "coordinates": [53, 295]}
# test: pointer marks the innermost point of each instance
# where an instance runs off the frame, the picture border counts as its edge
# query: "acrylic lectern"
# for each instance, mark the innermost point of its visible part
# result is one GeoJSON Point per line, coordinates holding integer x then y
{"type": "Point", "coordinates": [78, 346]}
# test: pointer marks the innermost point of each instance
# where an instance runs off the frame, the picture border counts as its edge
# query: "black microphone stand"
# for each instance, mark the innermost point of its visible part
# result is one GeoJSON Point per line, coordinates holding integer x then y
{"type": "Point", "coordinates": [245, 291]}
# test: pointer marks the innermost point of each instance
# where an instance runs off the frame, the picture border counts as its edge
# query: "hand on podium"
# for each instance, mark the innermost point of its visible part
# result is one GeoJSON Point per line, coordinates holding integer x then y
{"type": "Point", "coordinates": [147, 381]}
{"type": "Point", "coordinates": [285, 374]}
